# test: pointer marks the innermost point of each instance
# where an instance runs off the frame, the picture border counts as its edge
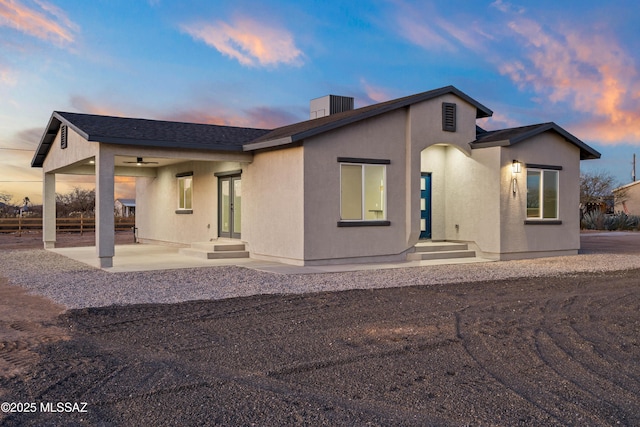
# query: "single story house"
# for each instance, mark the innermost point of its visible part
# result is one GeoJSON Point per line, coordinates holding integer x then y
{"type": "Point", "coordinates": [349, 185]}
{"type": "Point", "coordinates": [125, 207]}
{"type": "Point", "coordinates": [627, 198]}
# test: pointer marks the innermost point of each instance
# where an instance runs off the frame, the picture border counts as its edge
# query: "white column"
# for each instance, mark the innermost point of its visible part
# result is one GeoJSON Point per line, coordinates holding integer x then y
{"type": "Point", "coordinates": [105, 227]}
{"type": "Point", "coordinates": [49, 210]}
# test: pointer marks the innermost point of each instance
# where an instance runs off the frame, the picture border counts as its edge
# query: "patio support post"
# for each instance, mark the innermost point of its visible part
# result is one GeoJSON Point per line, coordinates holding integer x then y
{"type": "Point", "coordinates": [49, 210]}
{"type": "Point", "coordinates": [105, 226]}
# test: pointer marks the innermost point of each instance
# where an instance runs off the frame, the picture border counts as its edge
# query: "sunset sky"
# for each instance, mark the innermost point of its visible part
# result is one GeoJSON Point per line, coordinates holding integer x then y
{"type": "Point", "coordinates": [258, 63]}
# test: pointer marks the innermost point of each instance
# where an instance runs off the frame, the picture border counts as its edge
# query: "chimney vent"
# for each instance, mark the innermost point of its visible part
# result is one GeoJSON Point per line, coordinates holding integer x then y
{"type": "Point", "coordinates": [330, 104]}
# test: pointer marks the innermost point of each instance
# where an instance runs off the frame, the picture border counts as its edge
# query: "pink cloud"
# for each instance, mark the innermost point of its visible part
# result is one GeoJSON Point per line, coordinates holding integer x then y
{"type": "Point", "coordinates": [248, 41]}
{"type": "Point", "coordinates": [588, 70]}
{"type": "Point", "coordinates": [48, 23]}
{"type": "Point", "coordinates": [83, 105]}
{"type": "Point", "coordinates": [424, 27]}
{"type": "Point", "coordinates": [375, 93]}
{"type": "Point", "coordinates": [257, 117]}
{"type": "Point", "coordinates": [498, 121]}
{"type": "Point", "coordinates": [7, 76]}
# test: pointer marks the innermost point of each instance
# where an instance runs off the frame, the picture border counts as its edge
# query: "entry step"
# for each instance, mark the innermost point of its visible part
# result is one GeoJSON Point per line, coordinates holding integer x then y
{"type": "Point", "coordinates": [440, 250]}
{"type": "Point", "coordinates": [215, 250]}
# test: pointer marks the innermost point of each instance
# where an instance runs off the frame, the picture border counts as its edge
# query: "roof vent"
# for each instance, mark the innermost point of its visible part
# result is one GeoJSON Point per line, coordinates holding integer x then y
{"type": "Point", "coordinates": [448, 117]}
{"type": "Point", "coordinates": [63, 136]}
{"type": "Point", "coordinates": [330, 104]}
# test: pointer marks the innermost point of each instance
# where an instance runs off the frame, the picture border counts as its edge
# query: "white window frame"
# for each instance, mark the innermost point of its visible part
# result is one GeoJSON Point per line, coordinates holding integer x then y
{"type": "Point", "coordinates": [182, 196]}
{"type": "Point", "coordinates": [540, 216]}
{"type": "Point", "coordinates": [363, 192]}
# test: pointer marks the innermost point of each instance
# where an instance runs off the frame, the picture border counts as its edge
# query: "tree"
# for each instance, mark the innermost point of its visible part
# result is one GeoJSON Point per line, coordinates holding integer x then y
{"type": "Point", "coordinates": [5, 208]}
{"type": "Point", "coordinates": [77, 201]}
{"type": "Point", "coordinates": [596, 190]}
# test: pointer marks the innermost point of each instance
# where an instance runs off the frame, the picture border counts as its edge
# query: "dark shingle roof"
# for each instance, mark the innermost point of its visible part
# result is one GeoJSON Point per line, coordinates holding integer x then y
{"type": "Point", "coordinates": [143, 132]}
{"type": "Point", "coordinates": [506, 137]}
{"type": "Point", "coordinates": [296, 132]}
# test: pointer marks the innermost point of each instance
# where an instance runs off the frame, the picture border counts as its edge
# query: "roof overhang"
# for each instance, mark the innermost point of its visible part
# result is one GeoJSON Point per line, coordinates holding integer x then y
{"type": "Point", "coordinates": [56, 120]}
{"type": "Point", "coordinates": [586, 152]}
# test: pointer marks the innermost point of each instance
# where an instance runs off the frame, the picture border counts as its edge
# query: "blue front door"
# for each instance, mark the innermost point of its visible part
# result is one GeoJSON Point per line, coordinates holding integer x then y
{"type": "Point", "coordinates": [425, 206]}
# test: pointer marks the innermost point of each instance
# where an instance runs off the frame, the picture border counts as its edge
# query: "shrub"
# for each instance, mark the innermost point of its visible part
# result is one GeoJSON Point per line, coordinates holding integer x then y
{"type": "Point", "coordinates": [593, 220]}
{"type": "Point", "coordinates": [596, 220]}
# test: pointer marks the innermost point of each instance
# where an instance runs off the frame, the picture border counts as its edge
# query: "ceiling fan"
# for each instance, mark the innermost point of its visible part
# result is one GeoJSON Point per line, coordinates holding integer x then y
{"type": "Point", "coordinates": [139, 161]}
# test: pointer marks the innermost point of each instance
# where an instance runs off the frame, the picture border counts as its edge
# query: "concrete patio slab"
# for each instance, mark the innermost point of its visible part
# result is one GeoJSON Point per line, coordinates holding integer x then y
{"type": "Point", "coordinates": [147, 257]}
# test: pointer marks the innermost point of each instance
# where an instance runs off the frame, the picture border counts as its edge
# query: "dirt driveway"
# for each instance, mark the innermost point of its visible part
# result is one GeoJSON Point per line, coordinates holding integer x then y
{"type": "Point", "coordinates": [551, 351]}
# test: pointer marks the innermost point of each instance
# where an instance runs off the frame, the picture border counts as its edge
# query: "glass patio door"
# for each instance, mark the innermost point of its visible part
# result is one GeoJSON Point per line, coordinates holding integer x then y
{"type": "Point", "coordinates": [229, 206]}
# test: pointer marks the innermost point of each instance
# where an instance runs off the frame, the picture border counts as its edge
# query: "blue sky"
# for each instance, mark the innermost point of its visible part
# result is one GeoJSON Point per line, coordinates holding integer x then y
{"type": "Point", "coordinates": [257, 64]}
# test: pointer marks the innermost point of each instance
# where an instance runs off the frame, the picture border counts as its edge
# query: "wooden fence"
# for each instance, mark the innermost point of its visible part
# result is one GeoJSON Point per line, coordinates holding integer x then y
{"type": "Point", "coordinates": [76, 225]}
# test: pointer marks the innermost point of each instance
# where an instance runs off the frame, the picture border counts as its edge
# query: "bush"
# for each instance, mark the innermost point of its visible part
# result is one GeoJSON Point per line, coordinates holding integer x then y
{"type": "Point", "coordinates": [596, 220]}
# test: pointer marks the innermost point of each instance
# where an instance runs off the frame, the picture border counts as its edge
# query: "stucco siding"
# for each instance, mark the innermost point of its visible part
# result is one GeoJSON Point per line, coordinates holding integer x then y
{"type": "Point", "coordinates": [426, 124]}
{"type": "Point", "coordinates": [157, 202]}
{"type": "Point", "coordinates": [627, 199]}
{"type": "Point", "coordinates": [473, 196]}
{"type": "Point", "coordinates": [465, 195]}
{"type": "Point", "coordinates": [381, 138]}
{"type": "Point", "coordinates": [273, 212]}
{"type": "Point", "coordinates": [78, 150]}
{"type": "Point", "coordinates": [519, 239]}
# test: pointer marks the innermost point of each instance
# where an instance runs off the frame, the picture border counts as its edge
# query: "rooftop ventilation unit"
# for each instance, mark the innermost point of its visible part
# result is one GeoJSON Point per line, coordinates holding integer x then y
{"type": "Point", "coordinates": [330, 104]}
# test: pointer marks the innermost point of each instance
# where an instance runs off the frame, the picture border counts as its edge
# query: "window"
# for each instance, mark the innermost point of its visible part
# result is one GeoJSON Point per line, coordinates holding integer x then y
{"type": "Point", "coordinates": [362, 192]}
{"type": "Point", "coordinates": [542, 194]}
{"type": "Point", "coordinates": [185, 192]}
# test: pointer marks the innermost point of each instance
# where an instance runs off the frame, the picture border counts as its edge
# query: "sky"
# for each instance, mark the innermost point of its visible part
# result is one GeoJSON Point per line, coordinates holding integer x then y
{"type": "Point", "coordinates": [258, 63]}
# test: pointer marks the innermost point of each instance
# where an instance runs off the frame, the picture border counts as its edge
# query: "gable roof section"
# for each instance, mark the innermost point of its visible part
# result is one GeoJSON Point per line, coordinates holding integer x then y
{"type": "Point", "coordinates": [297, 132]}
{"type": "Point", "coordinates": [507, 137]}
{"type": "Point", "coordinates": [143, 132]}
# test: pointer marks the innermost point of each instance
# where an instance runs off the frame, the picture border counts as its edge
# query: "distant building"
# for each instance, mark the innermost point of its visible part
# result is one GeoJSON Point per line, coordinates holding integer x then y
{"type": "Point", "coordinates": [125, 207]}
{"type": "Point", "coordinates": [627, 198]}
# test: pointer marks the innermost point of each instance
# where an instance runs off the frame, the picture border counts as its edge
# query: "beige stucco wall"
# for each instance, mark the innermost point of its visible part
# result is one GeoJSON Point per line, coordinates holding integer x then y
{"type": "Point", "coordinates": [465, 194]}
{"type": "Point", "coordinates": [379, 138]}
{"type": "Point", "coordinates": [78, 150]}
{"type": "Point", "coordinates": [630, 199]}
{"type": "Point", "coordinates": [273, 205]}
{"type": "Point", "coordinates": [520, 240]}
{"type": "Point", "coordinates": [157, 202]}
{"type": "Point", "coordinates": [425, 130]}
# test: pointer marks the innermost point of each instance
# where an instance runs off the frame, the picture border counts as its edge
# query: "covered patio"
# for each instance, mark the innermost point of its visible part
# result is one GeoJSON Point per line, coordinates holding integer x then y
{"type": "Point", "coordinates": [110, 146]}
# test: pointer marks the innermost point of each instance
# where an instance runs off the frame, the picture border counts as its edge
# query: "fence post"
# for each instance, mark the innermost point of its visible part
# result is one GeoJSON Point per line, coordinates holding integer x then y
{"type": "Point", "coordinates": [20, 224]}
{"type": "Point", "coordinates": [81, 223]}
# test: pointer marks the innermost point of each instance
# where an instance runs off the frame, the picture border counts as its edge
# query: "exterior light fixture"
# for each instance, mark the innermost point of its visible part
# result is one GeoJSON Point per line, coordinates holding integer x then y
{"type": "Point", "coordinates": [516, 166]}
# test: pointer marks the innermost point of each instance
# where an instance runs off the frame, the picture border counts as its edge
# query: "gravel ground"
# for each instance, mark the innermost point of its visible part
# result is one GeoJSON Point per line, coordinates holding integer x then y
{"type": "Point", "coordinates": [76, 285]}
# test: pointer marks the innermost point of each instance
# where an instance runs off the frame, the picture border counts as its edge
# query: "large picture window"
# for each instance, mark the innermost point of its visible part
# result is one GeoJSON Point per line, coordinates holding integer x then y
{"type": "Point", "coordinates": [542, 194]}
{"type": "Point", "coordinates": [185, 192]}
{"type": "Point", "coordinates": [362, 192]}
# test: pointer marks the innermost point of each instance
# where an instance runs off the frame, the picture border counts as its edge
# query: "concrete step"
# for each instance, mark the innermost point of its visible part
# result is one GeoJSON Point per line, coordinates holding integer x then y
{"type": "Point", "coordinates": [220, 254]}
{"type": "Point", "coordinates": [421, 256]}
{"type": "Point", "coordinates": [440, 246]}
{"type": "Point", "coordinates": [218, 246]}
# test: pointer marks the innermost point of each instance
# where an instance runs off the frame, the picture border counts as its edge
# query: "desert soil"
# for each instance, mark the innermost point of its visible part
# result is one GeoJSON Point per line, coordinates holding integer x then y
{"type": "Point", "coordinates": [547, 351]}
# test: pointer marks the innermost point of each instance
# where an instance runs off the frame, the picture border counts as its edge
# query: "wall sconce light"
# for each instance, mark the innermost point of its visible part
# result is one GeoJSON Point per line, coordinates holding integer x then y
{"type": "Point", "coordinates": [516, 166]}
